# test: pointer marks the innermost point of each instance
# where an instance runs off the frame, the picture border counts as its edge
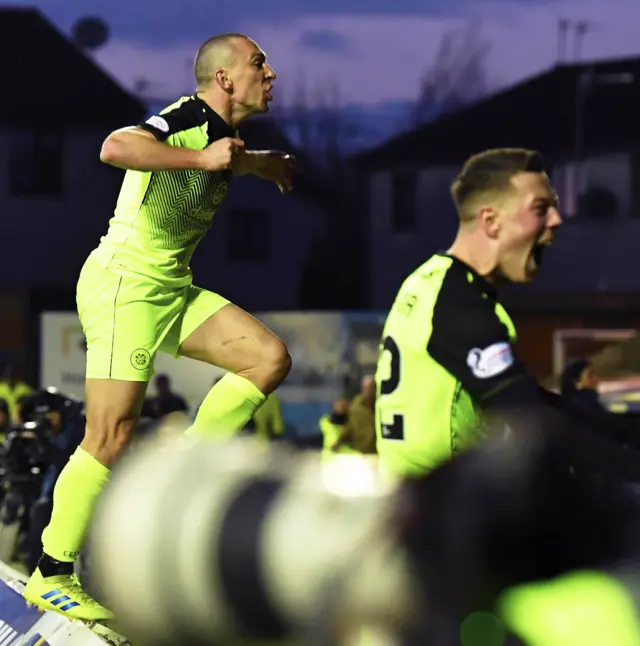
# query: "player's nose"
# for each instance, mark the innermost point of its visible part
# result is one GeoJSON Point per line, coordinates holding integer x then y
{"type": "Point", "coordinates": [270, 72]}
{"type": "Point", "coordinates": [555, 219]}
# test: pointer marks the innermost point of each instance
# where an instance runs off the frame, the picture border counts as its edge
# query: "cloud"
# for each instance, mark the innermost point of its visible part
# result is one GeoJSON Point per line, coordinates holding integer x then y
{"type": "Point", "coordinates": [389, 54]}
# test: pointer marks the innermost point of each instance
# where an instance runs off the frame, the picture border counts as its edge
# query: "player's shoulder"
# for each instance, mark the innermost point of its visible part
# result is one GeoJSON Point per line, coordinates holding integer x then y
{"type": "Point", "coordinates": [433, 270]}
{"type": "Point", "coordinates": [463, 285]}
{"type": "Point", "coordinates": [461, 296]}
{"type": "Point", "coordinates": [183, 114]}
{"type": "Point", "coordinates": [444, 277]}
{"type": "Point", "coordinates": [187, 105]}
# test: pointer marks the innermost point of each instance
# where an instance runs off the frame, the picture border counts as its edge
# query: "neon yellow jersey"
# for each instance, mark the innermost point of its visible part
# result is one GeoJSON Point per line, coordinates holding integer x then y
{"type": "Point", "coordinates": [446, 345]}
{"type": "Point", "coordinates": [12, 394]}
{"type": "Point", "coordinates": [161, 216]}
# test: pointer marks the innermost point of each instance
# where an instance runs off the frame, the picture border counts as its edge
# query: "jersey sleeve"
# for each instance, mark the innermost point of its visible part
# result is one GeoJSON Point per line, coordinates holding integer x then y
{"type": "Point", "coordinates": [172, 121]}
{"type": "Point", "coordinates": [470, 341]}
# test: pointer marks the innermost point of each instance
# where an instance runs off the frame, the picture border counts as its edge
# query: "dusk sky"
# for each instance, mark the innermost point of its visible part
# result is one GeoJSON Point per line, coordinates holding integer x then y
{"type": "Point", "coordinates": [372, 50]}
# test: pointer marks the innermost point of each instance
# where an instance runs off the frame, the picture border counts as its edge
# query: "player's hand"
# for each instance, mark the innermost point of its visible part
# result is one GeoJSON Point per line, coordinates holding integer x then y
{"type": "Point", "coordinates": [274, 166]}
{"type": "Point", "coordinates": [222, 154]}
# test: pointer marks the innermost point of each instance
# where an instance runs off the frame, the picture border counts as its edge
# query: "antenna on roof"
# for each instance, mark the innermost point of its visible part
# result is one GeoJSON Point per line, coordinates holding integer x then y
{"type": "Point", "coordinates": [563, 28]}
{"type": "Point", "coordinates": [90, 33]}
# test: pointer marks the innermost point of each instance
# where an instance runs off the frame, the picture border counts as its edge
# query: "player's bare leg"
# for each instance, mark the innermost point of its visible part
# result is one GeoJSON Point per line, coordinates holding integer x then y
{"type": "Point", "coordinates": [113, 410]}
{"type": "Point", "coordinates": [257, 361]}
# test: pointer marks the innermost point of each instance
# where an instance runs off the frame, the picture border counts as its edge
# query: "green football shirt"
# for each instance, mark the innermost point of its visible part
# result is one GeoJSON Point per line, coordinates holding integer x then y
{"type": "Point", "coordinates": [446, 346]}
{"type": "Point", "coordinates": [161, 216]}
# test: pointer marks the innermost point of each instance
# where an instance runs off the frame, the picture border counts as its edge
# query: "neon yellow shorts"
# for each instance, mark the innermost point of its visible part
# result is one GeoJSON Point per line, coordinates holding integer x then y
{"type": "Point", "coordinates": [126, 321]}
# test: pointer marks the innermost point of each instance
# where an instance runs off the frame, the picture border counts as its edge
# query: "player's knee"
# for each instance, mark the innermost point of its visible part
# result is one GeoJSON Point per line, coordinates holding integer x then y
{"type": "Point", "coordinates": [108, 433]}
{"type": "Point", "coordinates": [275, 363]}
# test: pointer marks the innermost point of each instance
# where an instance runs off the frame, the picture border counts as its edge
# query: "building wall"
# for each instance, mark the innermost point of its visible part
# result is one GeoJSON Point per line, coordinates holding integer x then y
{"type": "Point", "coordinates": [46, 238]}
{"type": "Point", "coordinates": [256, 249]}
{"type": "Point", "coordinates": [395, 253]}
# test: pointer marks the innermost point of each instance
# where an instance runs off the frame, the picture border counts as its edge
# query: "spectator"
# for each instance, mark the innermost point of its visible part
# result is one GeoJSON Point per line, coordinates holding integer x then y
{"type": "Point", "coordinates": [13, 390]}
{"type": "Point", "coordinates": [579, 387]}
{"type": "Point", "coordinates": [61, 424]}
{"type": "Point", "coordinates": [267, 421]}
{"type": "Point", "coordinates": [5, 419]}
{"type": "Point", "coordinates": [166, 401]}
{"type": "Point", "coordinates": [359, 430]}
{"type": "Point", "coordinates": [332, 427]}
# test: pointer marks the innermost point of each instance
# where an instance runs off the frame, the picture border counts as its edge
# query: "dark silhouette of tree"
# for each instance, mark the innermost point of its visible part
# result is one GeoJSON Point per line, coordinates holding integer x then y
{"type": "Point", "coordinates": [333, 277]}
{"type": "Point", "coordinates": [457, 75]}
{"type": "Point", "coordinates": [335, 274]}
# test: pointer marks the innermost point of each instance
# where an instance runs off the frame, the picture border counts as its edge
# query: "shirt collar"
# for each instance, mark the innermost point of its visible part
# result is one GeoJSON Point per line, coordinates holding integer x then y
{"type": "Point", "coordinates": [480, 281]}
{"type": "Point", "coordinates": [213, 116]}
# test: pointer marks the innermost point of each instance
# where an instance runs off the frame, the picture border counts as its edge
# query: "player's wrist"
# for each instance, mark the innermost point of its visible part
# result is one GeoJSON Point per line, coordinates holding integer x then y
{"type": "Point", "coordinates": [201, 160]}
{"type": "Point", "coordinates": [244, 163]}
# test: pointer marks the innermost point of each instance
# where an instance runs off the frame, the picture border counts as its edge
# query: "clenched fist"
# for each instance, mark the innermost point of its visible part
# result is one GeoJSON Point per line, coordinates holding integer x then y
{"type": "Point", "coordinates": [220, 155]}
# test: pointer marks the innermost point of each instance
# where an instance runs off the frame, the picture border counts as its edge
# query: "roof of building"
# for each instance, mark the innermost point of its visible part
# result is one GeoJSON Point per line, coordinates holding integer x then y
{"type": "Point", "coordinates": [47, 79]}
{"type": "Point", "coordinates": [541, 113]}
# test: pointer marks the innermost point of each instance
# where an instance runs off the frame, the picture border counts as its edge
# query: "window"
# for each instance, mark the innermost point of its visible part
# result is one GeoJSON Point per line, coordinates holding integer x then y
{"type": "Point", "coordinates": [35, 163]}
{"type": "Point", "coordinates": [249, 235]}
{"type": "Point", "coordinates": [404, 202]}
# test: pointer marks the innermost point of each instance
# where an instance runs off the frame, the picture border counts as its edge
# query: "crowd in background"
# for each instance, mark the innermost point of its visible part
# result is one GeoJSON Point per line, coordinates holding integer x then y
{"type": "Point", "coordinates": [347, 427]}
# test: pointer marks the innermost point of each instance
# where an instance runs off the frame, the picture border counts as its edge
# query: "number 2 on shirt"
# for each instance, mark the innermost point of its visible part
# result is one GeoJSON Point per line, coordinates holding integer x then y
{"type": "Point", "coordinates": [395, 430]}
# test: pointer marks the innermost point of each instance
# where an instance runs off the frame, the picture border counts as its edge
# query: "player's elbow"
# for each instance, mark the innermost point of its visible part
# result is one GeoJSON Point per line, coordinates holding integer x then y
{"type": "Point", "coordinates": [120, 147]}
{"type": "Point", "coordinates": [111, 151]}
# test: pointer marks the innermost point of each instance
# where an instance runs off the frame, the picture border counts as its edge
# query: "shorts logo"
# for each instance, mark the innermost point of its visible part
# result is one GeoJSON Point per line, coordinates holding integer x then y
{"type": "Point", "coordinates": [159, 123]}
{"type": "Point", "coordinates": [491, 361]}
{"type": "Point", "coordinates": [140, 359]}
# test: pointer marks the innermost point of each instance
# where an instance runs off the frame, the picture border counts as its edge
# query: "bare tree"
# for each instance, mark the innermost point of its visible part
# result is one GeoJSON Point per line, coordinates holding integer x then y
{"type": "Point", "coordinates": [316, 121]}
{"type": "Point", "coordinates": [457, 75]}
{"type": "Point", "coordinates": [331, 131]}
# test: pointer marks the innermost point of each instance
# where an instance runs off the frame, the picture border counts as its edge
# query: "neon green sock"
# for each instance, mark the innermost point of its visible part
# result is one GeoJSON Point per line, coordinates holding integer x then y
{"type": "Point", "coordinates": [74, 496]}
{"type": "Point", "coordinates": [226, 409]}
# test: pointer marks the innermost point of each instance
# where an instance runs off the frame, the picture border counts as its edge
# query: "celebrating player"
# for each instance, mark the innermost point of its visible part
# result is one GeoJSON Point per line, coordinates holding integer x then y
{"type": "Point", "coordinates": [135, 294]}
{"type": "Point", "coordinates": [446, 352]}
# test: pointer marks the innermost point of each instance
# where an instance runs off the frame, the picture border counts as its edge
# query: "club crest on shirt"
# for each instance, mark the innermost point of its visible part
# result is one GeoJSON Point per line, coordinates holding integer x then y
{"type": "Point", "coordinates": [491, 361]}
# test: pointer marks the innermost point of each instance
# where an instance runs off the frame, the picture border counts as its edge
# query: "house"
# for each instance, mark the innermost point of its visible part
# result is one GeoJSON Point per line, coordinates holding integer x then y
{"type": "Point", "coordinates": [586, 112]}
{"type": "Point", "coordinates": [583, 113]}
{"type": "Point", "coordinates": [56, 197]}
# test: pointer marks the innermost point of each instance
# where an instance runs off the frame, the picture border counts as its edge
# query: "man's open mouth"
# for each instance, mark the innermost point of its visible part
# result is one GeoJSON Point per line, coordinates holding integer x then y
{"type": "Point", "coordinates": [538, 251]}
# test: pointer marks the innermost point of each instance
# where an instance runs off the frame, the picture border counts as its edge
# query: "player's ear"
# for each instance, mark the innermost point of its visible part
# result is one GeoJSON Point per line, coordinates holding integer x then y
{"type": "Point", "coordinates": [223, 80]}
{"type": "Point", "coordinates": [489, 221]}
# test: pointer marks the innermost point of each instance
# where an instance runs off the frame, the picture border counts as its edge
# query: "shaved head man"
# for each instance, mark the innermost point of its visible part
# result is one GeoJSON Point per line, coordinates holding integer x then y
{"type": "Point", "coordinates": [136, 298]}
{"type": "Point", "coordinates": [233, 72]}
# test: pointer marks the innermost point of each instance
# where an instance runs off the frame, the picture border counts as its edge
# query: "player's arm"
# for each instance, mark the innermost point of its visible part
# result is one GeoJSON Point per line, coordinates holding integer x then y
{"type": "Point", "coordinates": [470, 341]}
{"type": "Point", "coordinates": [155, 145]}
{"type": "Point", "coordinates": [270, 165]}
